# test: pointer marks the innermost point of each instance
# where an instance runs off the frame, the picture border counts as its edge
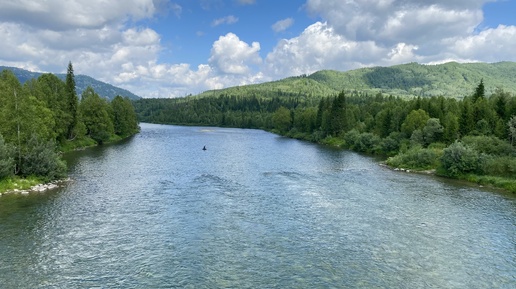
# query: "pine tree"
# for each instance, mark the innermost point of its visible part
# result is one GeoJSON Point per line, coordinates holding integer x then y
{"type": "Point", "coordinates": [72, 100]}
{"type": "Point", "coordinates": [480, 92]}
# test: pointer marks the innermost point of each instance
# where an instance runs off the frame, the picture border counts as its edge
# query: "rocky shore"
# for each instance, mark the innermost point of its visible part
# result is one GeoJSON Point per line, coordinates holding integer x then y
{"type": "Point", "coordinates": [40, 188]}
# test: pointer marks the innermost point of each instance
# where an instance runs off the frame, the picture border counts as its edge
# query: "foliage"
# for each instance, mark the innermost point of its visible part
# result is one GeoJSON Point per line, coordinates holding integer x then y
{"type": "Point", "coordinates": [459, 159]}
{"type": "Point", "coordinates": [281, 119]}
{"type": "Point", "coordinates": [417, 158]}
{"type": "Point", "coordinates": [37, 119]}
{"type": "Point", "coordinates": [452, 79]}
{"type": "Point", "coordinates": [41, 159]}
{"type": "Point", "coordinates": [512, 129]}
{"type": "Point", "coordinates": [459, 136]}
{"type": "Point", "coordinates": [72, 102]}
{"type": "Point", "coordinates": [18, 183]}
{"type": "Point", "coordinates": [95, 114]}
{"type": "Point", "coordinates": [125, 120]}
{"type": "Point", "coordinates": [7, 163]}
{"type": "Point", "coordinates": [490, 145]}
{"type": "Point", "coordinates": [415, 120]}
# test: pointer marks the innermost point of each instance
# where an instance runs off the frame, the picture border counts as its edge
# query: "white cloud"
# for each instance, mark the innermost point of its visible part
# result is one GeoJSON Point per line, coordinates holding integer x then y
{"type": "Point", "coordinates": [231, 55]}
{"type": "Point", "coordinates": [225, 20]}
{"type": "Point", "coordinates": [387, 32]}
{"type": "Point", "coordinates": [59, 16]}
{"type": "Point", "coordinates": [320, 47]}
{"type": "Point", "coordinates": [102, 40]}
{"type": "Point", "coordinates": [490, 45]}
{"type": "Point", "coordinates": [282, 25]}
{"type": "Point", "coordinates": [388, 22]}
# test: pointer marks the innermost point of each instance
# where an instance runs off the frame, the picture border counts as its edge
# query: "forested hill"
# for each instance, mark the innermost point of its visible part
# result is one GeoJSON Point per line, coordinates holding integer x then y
{"type": "Point", "coordinates": [451, 79]}
{"type": "Point", "coordinates": [105, 90]}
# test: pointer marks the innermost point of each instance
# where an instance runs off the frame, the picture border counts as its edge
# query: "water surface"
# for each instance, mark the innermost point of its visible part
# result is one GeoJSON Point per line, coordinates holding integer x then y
{"type": "Point", "coordinates": [254, 210]}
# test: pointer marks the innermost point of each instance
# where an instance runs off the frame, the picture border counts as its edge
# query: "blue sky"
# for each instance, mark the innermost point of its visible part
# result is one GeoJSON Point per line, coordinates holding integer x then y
{"type": "Point", "coordinates": [172, 48]}
{"type": "Point", "coordinates": [190, 35]}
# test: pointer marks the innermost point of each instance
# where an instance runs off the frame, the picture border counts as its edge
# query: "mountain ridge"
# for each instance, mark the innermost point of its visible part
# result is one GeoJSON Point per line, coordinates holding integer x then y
{"type": "Point", "coordinates": [451, 79]}
{"type": "Point", "coordinates": [104, 89]}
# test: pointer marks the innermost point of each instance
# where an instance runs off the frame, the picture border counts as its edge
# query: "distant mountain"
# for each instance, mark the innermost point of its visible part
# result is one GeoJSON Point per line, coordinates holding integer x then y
{"type": "Point", "coordinates": [450, 79]}
{"type": "Point", "coordinates": [105, 90]}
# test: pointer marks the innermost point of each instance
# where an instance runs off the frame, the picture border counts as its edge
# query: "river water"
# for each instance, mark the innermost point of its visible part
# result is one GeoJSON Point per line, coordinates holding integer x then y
{"type": "Point", "coordinates": [254, 210]}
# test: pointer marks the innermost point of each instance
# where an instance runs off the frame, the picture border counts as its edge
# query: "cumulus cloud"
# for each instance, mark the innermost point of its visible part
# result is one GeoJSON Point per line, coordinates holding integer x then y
{"type": "Point", "coordinates": [386, 32]}
{"type": "Point", "coordinates": [232, 56]}
{"type": "Point", "coordinates": [393, 21]}
{"type": "Point", "coordinates": [490, 45]}
{"type": "Point", "coordinates": [103, 40]}
{"type": "Point", "coordinates": [52, 14]}
{"type": "Point", "coordinates": [319, 47]}
{"type": "Point", "coordinates": [225, 20]}
{"type": "Point", "coordinates": [282, 25]}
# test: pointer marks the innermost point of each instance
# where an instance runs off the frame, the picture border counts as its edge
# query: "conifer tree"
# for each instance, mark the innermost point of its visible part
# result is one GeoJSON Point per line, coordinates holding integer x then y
{"type": "Point", "coordinates": [480, 92]}
{"type": "Point", "coordinates": [72, 99]}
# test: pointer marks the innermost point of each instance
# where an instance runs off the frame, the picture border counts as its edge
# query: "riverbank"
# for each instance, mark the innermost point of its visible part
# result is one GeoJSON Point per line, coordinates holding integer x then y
{"type": "Point", "coordinates": [19, 185]}
{"type": "Point", "coordinates": [29, 185]}
{"type": "Point", "coordinates": [433, 167]}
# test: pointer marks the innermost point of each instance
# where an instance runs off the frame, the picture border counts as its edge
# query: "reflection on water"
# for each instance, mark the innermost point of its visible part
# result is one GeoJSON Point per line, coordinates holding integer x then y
{"type": "Point", "coordinates": [253, 211]}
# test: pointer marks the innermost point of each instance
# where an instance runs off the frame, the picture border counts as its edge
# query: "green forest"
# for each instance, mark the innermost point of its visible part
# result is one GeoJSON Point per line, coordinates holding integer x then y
{"type": "Point", "coordinates": [451, 79]}
{"type": "Point", "coordinates": [472, 138]}
{"type": "Point", "coordinates": [44, 117]}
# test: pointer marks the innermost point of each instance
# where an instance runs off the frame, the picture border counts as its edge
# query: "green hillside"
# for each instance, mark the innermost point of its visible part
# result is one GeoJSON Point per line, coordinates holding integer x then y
{"type": "Point", "coordinates": [292, 86]}
{"type": "Point", "coordinates": [105, 90]}
{"type": "Point", "coordinates": [450, 79]}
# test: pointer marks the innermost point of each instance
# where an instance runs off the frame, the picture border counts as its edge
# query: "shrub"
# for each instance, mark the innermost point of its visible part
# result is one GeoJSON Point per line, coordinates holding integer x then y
{"type": "Point", "coordinates": [458, 159]}
{"type": "Point", "coordinates": [416, 158]}
{"type": "Point", "coordinates": [498, 166]}
{"type": "Point", "coordinates": [41, 160]}
{"type": "Point", "coordinates": [488, 144]}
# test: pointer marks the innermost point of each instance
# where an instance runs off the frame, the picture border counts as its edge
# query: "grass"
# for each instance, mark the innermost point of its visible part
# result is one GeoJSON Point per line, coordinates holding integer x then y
{"type": "Point", "coordinates": [492, 181]}
{"type": "Point", "coordinates": [81, 143]}
{"type": "Point", "coordinates": [12, 183]}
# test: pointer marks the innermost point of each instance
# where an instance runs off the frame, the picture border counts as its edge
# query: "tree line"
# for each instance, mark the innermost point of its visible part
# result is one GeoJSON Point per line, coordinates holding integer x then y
{"type": "Point", "coordinates": [43, 117]}
{"type": "Point", "coordinates": [467, 138]}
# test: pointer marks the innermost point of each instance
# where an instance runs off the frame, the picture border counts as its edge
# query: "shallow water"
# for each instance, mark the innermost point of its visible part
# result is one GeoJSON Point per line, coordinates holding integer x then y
{"type": "Point", "coordinates": [254, 210]}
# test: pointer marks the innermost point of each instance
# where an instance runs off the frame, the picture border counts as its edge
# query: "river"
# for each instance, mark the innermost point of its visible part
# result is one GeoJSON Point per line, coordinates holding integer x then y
{"type": "Point", "coordinates": [255, 210]}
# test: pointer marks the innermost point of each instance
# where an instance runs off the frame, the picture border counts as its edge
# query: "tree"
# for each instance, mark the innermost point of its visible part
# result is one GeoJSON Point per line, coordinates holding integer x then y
{"type": "Point", "coordinates": [282, 119]}
{"type": "Point", "coordinates": [458, 159]}
{"type": "Point", "coordinates": [416, 119]}
{"type": "Point", "coordinates": [72, 100]}
{"type": "Point", "coordinates": [94, 112]}
{"type": "Point", "coordinates": [125, 121]}
{"type": "Point", "coordinates": [22, 115]}
{"type": "Point", "coordinates": [512, 129]}
{"type": "Point", "coordinates": [42, 160]}
{"type": "Point", "coordinates": [451, 128]}
{"type": "Point", "coordinates": [50, 90]}
{"type": "Point", "coordinates": [480, 92]}
{"type": "Point", "coordinates": [339, 123]}
{"type": "Point", "coordinates": [433, 131]}
{"type": "Point", "coordinates": [467, 118]}
{"type": "Point", "coordinates": [7, 164]}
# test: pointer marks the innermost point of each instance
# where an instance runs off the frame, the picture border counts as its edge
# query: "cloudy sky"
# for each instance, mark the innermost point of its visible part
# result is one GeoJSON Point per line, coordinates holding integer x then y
{"type": "Point", "coordinates": [171, 48]}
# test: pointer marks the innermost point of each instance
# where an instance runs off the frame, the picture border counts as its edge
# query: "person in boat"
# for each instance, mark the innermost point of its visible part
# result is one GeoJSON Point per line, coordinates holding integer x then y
{"type": "Point", "coordinates": [204, 148]}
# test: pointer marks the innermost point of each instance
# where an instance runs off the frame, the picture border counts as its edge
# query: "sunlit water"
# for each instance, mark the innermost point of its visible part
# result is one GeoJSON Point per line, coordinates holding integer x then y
{"type": "Point", "coordinates": [254, 210]}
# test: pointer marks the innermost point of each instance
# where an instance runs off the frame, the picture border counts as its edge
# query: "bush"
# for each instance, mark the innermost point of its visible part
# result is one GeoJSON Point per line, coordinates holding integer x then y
{"type": "Point", "coordinates": [41, 160]}
{"type": "Point", "coordinates": [416, 158]}
{"type": "Point", "coordinates": [498, 166]}
{"type": "Point", "coordinates": [459, 159]}
{"type": "Point", "coordinates": [391, 145]}
{"type": "Point", "coordinates": [488, 145]}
